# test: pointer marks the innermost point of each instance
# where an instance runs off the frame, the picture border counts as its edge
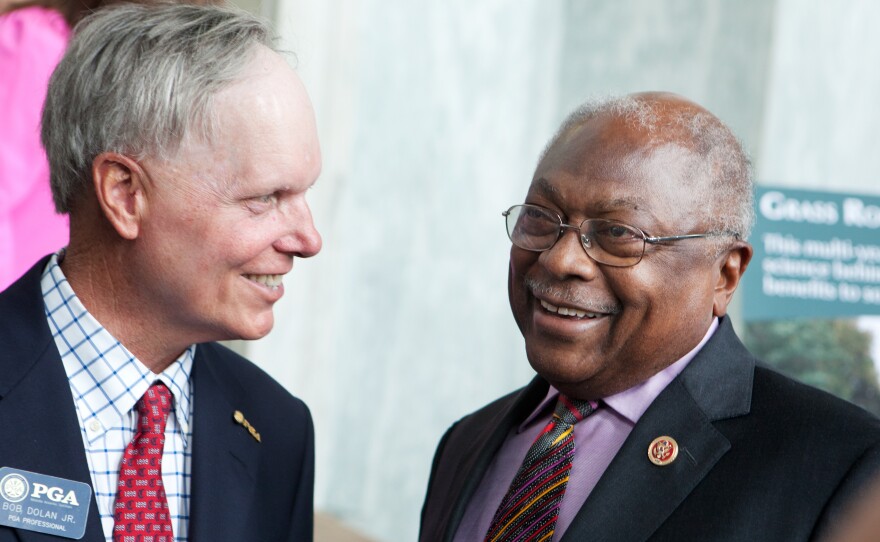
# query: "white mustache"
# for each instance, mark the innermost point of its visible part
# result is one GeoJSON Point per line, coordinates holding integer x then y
{"type": "Point", "coordinates": [566, 295]}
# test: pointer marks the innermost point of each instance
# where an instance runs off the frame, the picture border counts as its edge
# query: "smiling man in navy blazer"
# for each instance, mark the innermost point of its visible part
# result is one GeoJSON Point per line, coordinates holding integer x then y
{"type": "Point", "coordinates": [181, 145]}
{"type": "Point", "coordinates": [648, 419]}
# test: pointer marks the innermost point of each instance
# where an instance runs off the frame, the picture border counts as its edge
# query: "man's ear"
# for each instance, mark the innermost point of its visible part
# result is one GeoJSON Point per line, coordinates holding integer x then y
{"type": "Point", "coordinates": [119, 186]}
{"type": "Point", "coordinates": [733, 264]}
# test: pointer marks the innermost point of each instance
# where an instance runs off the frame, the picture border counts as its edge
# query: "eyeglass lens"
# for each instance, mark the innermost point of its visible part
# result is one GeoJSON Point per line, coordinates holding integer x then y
{"type": "Point", "coordinates": [606, 241]}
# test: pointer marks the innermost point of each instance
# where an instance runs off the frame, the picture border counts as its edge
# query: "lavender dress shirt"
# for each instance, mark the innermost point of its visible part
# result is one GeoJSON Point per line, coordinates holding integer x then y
{"type": "Point", "coordinates": [597, 440]}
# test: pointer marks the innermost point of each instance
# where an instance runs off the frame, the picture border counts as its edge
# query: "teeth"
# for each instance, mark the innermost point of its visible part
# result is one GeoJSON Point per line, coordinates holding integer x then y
{"type": "Point", "coordinates": [567, 311]}
{"type": "Point", "coordinates": [271, 281]}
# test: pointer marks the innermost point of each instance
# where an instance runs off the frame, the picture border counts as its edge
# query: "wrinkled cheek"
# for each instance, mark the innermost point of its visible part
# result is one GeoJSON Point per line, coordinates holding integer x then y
{"type": "Point", "coordinates": [518, 295]}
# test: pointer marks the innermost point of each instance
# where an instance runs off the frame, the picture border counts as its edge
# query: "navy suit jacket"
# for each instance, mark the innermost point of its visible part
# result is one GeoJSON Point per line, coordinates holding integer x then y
{"type": "Point", "coordinates": [762, 458]}
{"type": "Point", "coordinates": [241, 489]}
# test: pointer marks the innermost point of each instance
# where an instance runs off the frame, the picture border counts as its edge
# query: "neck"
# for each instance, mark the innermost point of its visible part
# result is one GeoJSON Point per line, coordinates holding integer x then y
{"type": "Point", "coordinates": [104, 283]}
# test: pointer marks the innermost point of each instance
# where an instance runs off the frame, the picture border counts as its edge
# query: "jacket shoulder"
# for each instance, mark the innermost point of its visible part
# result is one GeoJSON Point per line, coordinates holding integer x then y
{"type": "Point", "coordinates": [799, 407]}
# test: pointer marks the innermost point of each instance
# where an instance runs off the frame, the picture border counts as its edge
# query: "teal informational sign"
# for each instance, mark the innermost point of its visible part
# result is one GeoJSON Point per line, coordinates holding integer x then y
{"type": "Point", "coordinates": [817, 255]}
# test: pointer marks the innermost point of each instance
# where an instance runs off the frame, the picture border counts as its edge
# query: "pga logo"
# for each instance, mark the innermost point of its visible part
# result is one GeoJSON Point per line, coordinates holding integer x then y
{"type": "Point", "coordinates": [54, 494]}
{"type": "Point", "coordinates": [14, 488]}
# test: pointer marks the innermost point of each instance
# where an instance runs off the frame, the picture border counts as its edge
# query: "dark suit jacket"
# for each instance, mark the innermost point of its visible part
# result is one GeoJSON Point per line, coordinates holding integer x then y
{"type": "Point", "coordinates": [241, 489]}
{"type": "Point", "coordinates": [763, 458]}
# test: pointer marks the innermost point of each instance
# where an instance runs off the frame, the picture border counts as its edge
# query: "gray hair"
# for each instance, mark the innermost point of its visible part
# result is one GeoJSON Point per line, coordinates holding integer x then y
{"type": "Point", "coordinates": [138, 79]}
{"type": "Point", "coordinates": [722, 160]}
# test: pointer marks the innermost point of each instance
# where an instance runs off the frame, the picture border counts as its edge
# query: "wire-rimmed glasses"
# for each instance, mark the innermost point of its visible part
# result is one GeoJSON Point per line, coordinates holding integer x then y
{"type": "Point", "coordinates": [609, 242]}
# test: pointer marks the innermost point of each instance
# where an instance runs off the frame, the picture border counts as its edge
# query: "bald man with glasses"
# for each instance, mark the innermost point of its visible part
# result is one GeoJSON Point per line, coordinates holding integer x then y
{"type": "Point", "coordinates": [648, 419]}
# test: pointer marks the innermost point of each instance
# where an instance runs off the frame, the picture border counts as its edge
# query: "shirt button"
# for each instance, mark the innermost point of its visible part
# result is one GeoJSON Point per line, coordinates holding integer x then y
{"type": "Point", "coordinates": [94, 426]}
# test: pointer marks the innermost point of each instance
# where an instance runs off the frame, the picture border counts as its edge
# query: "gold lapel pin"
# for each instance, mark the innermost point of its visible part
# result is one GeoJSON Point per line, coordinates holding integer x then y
{"type": "Point", "coordinates": [663, 451]}
{"type": "Point", "coordinates": [239, 419]}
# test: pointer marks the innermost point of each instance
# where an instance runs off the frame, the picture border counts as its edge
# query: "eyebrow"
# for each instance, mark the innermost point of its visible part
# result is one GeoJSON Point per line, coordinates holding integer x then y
{"type": "Point", "coordinates": [620, 203]}
{"type": "Point", "coordinates": [546, 187]}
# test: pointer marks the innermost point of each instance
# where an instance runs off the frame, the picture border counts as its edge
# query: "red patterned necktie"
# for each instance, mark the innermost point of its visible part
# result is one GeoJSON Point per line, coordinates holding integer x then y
{"type": "Point", "coordinates": [530, 508]}
{"type": "Point", "coordinates": [141, 510]}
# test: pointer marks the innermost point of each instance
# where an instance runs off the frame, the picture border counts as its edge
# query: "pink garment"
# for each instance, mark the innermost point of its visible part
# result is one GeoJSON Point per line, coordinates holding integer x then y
{"type": "Point", "coordinates": [32, 41]}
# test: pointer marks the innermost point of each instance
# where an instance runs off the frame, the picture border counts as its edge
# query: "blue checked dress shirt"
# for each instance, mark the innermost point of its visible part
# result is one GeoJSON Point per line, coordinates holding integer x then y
{"type": "Point", "coordinates": [106, 381]}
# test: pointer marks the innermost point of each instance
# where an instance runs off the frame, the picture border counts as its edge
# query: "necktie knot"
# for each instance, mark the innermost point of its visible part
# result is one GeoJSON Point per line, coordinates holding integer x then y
{"type": "Point", "coordinates": [567, 413]}
{"type": "Point", "coordinates": [571, 411]}
{"type": "Point", "coordinates": [153, 409]}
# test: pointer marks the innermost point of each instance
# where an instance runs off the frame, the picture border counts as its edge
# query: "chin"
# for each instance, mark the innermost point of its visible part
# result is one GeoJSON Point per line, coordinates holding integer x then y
{"type": "Point", "coordinates": [258, 328]}
{"type": "Point", "coordinates": [563, 367]}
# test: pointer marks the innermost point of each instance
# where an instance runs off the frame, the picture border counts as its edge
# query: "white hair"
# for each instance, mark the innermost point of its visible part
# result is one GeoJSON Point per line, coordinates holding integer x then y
{"type": "Point", "coordinates": [137, 79]}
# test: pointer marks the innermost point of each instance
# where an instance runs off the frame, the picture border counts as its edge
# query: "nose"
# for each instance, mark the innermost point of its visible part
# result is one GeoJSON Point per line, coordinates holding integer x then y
{"type": "Point", "coordinates": [568, 257]}
{"type": "Point", "coordinates": [300, 237]}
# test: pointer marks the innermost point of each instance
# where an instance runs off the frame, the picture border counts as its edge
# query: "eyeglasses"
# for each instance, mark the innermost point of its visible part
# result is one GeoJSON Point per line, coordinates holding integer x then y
{"type": "Point", "coordinates": [606, 241]}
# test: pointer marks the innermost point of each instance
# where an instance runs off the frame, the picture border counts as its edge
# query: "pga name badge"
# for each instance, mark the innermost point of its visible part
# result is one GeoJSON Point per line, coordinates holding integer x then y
{"type": "Point", "coordinates": [45, 504]}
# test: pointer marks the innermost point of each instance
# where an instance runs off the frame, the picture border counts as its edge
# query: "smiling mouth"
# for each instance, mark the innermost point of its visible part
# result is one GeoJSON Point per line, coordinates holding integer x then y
{"type": "Point", "coordinates": [570, 312]}
{"type": "Point", "coordinates": [273, 282]}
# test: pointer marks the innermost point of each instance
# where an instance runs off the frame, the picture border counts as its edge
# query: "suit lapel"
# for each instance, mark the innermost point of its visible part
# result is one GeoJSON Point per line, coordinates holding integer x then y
{"type": "Point", "coordinates": [478, 456]}
{"type": "Point", "coordinates": [225, 457]}
{"type": "Point", "coordinates": [636, 489]}
{"type": "Point", "coordinates": [716, 385]}
{"type": "Point", "coordinates": [38, 419]}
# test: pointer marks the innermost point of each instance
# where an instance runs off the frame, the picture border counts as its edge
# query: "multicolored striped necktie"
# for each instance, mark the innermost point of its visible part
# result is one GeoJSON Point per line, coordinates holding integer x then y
{"type": "Point", "coordinates": [530, 508]}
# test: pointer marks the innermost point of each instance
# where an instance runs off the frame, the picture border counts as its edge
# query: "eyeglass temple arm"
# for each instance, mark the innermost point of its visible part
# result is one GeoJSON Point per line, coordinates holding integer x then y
{"type": "Point", "coordinates": [655, 240]}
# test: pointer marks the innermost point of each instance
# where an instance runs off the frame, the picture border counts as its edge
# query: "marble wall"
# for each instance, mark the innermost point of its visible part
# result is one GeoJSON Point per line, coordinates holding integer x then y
{"type": "Point", "coordinates": [823, 97]}
{"type": "Point", "coordinates": [431, 116]}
